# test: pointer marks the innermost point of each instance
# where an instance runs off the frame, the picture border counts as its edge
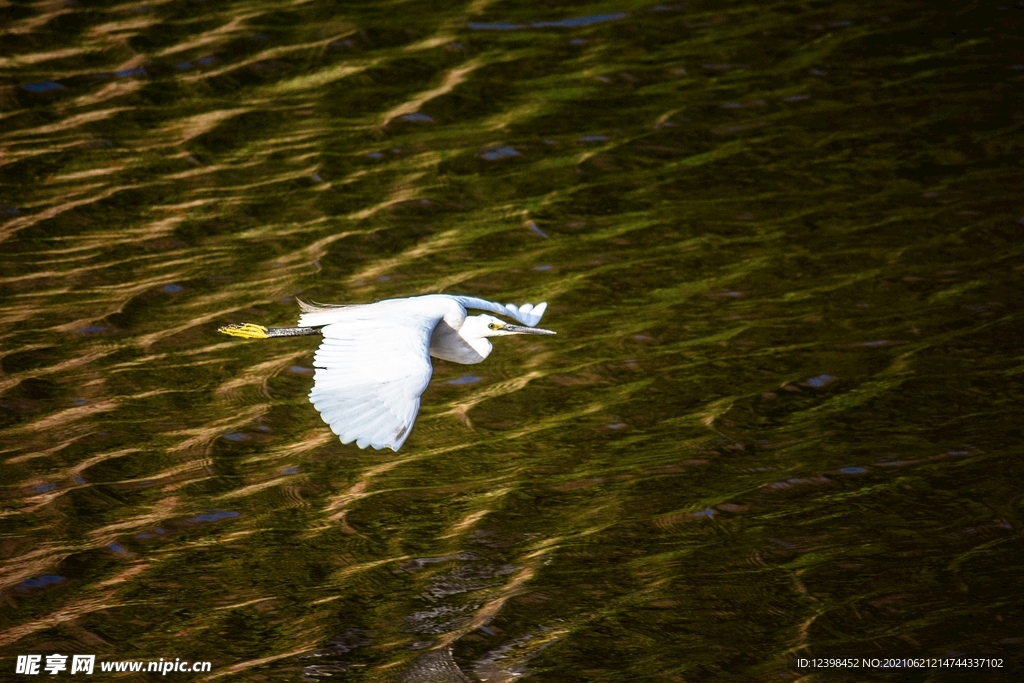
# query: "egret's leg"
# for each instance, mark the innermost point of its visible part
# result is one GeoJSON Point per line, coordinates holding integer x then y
{"type": "Point", "coordinates": [245, 331]}
{"type": "Point", "coordinates": [293, 331]}
{"type": "Point", "coordinates": [253, 331]}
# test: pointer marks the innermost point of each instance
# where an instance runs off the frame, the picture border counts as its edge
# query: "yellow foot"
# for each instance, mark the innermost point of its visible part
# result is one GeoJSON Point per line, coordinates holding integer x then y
{"type": "Point", "coordinates": [245, 330]}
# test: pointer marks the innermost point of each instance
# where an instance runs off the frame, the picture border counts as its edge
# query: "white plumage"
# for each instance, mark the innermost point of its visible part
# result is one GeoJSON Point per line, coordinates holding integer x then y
{"type": "Point", "coordinates": [374, 362]}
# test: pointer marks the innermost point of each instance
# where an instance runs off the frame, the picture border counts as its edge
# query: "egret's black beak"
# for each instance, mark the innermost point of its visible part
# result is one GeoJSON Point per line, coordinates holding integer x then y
{"type": "Point", "coordinates": [519, 329]}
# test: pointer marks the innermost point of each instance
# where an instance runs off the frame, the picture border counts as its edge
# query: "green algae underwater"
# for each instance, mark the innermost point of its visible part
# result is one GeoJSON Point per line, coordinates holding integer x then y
{"type": "Point", "coordinates": [782, 248]}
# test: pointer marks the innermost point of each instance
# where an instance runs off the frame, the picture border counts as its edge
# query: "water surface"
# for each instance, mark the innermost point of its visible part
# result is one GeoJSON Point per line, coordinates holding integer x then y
{"type": "Point", "coordinates": [783, 248]}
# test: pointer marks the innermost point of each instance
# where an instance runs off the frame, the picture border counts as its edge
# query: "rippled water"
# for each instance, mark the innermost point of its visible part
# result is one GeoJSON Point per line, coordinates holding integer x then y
{"type": "Point", "coordinates": [782, 247]}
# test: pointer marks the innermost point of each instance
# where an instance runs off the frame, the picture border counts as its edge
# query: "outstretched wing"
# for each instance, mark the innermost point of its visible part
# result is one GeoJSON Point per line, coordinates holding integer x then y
{"type": "Point", "coordinates": [527, 314]}
{"type": "Point", "coordinates": [370, 373]}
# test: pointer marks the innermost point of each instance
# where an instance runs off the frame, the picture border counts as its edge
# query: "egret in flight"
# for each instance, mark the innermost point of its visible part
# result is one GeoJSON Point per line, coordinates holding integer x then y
{"type": "Point", "coordinates": [374, 361]}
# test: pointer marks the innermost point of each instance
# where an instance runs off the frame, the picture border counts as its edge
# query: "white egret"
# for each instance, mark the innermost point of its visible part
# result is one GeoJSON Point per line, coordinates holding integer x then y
{"type": "Point", "coordinates": [374, 361]}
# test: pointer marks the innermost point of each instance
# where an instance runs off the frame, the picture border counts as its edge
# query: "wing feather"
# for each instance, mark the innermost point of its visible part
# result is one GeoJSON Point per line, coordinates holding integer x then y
{"type": "Point", "coordinates": [527, 314]}
{"type": "Point", "coordinates": [370, 373]}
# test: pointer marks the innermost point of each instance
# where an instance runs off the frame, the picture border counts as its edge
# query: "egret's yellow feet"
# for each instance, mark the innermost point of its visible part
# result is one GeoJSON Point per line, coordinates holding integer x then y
{"type": "Point", "coordinates": [245, 331]}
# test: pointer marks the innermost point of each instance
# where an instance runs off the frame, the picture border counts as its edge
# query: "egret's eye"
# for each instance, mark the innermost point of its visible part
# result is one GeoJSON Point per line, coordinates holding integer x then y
{"type": "Point", "coordinates": [495, 326]}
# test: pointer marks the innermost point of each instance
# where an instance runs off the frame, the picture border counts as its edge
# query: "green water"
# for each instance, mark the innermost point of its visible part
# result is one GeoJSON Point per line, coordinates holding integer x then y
{"type": "Point", "coordinates": [783, 250]}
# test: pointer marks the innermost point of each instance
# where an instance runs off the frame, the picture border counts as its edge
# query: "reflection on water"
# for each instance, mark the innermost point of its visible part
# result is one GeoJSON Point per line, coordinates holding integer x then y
{"type": "Point", "coordinates": [781, 246]}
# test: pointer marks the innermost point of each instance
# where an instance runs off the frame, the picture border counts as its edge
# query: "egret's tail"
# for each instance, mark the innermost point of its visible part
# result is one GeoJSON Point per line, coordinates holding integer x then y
{"type": "Point", "coordinates": [253, 331]}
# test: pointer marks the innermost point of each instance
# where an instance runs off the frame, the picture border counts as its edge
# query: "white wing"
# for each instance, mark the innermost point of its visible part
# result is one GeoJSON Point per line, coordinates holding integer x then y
{"type": "Point", "coordinates": [316, 315]}
{"type": "Point", "coordinates": [527, 314]}
{"type": "Point", "coordinates": [371, 371]}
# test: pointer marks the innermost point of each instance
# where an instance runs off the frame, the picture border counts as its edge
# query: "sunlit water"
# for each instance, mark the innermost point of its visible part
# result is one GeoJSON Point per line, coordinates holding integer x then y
{"type": "Point", "coordinates": [782, 247]}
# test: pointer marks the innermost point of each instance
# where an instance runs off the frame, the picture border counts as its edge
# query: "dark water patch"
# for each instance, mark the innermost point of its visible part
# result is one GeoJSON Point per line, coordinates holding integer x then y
{"type": "Point", "coordinates": [573, 22]}
{"type": "Point", "coordinates": [421, 562]}
{"type": "Point", "coordinates": [494, 26]}
{"type": "Point", "coordinates": [42, 87]}
{"type": "Point", "coordinates": [147, 536]}
{"type": "Point", "coordinates": [465, 379]}
{"type": "Point", "coordinates": [799, 482]}
{"type": "Point", "coordinates": [536, 230]}
{"type": "Point", "coordinates": [500, 153]}
{"type": "Point", "coordinates": [465, 579]}
{"type": "Point", "coordinates": [329, 661]}
{"type": "Point", "coordinates": [41, 581]}
{"type": "Point", "coordinates": [131, 73]}
{"type": "Point", "coordinates": [417, 117]}
{"type": "Point", "coordinates": [581, 21]}
{"type": "Point", "coordinates": [214, 516]}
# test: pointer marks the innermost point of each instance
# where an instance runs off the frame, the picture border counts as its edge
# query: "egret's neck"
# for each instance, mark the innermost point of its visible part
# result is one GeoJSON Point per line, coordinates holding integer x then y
{"type": "Point", "coordinates": [448, 344]}
{"type": "Point", "coordinates": [481, 345]}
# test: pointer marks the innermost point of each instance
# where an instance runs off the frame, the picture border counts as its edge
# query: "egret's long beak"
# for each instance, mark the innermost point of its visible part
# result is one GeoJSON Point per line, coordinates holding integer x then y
{"type": "Point", "coordinates": [519, 329]}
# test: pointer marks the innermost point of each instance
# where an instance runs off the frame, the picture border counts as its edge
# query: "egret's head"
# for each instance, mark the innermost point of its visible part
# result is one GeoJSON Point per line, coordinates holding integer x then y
{"type": "Point", "coordinates": [489, 326]}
